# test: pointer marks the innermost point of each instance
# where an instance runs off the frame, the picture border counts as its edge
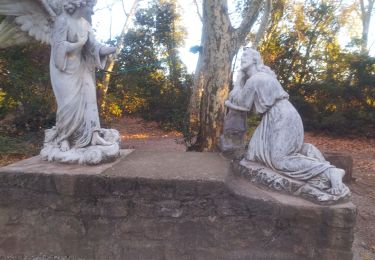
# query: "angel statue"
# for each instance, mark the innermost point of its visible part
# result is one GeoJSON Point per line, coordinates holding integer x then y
{"type": "Point", "coordinates": [64, 24]}
{"type": "Point", "coordinates": [277, 143]}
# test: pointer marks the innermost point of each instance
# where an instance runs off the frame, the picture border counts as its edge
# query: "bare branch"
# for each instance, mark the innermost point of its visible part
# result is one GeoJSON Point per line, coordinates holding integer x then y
{"type": "Point", "coordinates": [366, 12]}
{"type": "Point", "coordinates": [124, 9]}
{"type": "Point", "coordinates": [198, 12]}
{"type": "Point", "coordinates": [263, 25]}
{"type": "Point", "coordinates": [110, 24]}
{"type": "Point", "coordinates": [248, 22]}
{"type": "Point", "coordinates": [112, 58]}
{"type": "Point", "coordinates": [47, 8]}
{"type": "Point", "coordinates": [363, 9]}
{"type": "Point", "coordinates": [126, 25]}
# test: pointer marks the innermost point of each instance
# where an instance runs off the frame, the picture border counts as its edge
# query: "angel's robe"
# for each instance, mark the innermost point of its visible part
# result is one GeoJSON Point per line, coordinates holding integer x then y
{"type": "Point", "coordinates": [73, 82]}
{"type": "Point", "coordinates": [278, 140]}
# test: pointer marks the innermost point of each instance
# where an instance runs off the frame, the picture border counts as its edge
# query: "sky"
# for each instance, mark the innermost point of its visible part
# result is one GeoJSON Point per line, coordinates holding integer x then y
{"type": "Point", "coordinates": [190, 20]}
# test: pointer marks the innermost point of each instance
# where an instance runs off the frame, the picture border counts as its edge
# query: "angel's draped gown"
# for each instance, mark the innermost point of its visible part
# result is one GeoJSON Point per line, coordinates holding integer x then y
{"type": "Point", "coordinates": [73, 82]}
{"type": "Point", "coordinates": [278, 140]}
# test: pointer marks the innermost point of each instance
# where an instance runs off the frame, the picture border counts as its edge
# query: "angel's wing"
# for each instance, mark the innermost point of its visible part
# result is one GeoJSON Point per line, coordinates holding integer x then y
{"type": "Point", "coordinates": [11, 34]}
{"type": "Point", "coordinates": [26, 19]}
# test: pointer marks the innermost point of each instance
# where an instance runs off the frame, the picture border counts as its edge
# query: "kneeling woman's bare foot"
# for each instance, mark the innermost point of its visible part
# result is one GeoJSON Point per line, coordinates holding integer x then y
{"type": "Point", "coordinates": [98, 140]}
{"type": "Point", "coordinates": [64, 146]}
{"type": "Point", "coordinates": [335, 175]}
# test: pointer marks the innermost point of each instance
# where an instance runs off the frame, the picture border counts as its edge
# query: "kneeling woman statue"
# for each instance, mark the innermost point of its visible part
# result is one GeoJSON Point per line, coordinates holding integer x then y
{"type": "Point", "coordinates": [277, 142]}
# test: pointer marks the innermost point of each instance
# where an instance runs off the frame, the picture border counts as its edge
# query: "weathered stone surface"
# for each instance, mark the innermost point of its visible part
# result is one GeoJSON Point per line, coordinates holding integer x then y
{"type": "Point", "coordinates": [160, 205]}
{"type": "Point", "coordinates": [268, 179]}
{"type": "Point", "coordinates": [343, 161]}
{"type": "Point", "coordinates": [232, 142]}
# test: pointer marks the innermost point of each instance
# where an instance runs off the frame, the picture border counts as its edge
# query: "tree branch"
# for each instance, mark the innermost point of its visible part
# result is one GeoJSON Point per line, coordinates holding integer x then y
{"type": "Point", "coordinates": [263, 25]}
{"type": "Point", "coordinates": [124, 9]}
{"type": "Point", "coordinates": [112, 58]}
{"type": "Point", "coordinates": [198, 12]}
{"type": "Point", "coordinates": [47, 8]}
{"type": "Point", "coordinates": [247, 22]}
{"type": "Point", "coordinates": [363, 9]}
{"type": "Point", "coordinates": [120, 43]}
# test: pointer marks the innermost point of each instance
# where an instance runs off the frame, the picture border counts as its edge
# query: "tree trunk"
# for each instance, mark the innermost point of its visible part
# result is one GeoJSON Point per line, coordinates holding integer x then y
{"type": "Point", "coordinates": [263, 25]}
{"type": "Point", "coordinates": [220, 42]}
{"type": "Point", "coordinates": [366, 12]}
{"type": "Point", "coordinates": [212, 77]}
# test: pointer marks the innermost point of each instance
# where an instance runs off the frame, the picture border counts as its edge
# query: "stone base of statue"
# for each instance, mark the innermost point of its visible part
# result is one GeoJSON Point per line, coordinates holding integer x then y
{"type": "Point", "coordinates": [229, 149]}
{"type": "Point", "coordinates": [266, 178]}
{"type": "Point", "coordinates": [90, 155]}
{"type": "Point", "coordinates": [232, 142]}
{"type": "Point", "coordinates": [161, 205]}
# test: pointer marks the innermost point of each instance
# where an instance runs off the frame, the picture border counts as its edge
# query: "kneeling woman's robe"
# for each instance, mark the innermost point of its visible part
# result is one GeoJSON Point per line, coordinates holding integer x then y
{"type": "Point", "coordinates": [278, 140]}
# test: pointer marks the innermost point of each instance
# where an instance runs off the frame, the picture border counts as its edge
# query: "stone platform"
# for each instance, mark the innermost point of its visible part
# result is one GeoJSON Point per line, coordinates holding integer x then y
{"type": "Point", "coordinates": [160, 205]}
{"type": "Point", "coordinates": [267, 179]}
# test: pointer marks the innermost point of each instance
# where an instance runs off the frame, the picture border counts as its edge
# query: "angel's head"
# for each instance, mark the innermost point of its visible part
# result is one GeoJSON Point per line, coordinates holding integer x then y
{"type": "Point", "coordinates": [71, 6]}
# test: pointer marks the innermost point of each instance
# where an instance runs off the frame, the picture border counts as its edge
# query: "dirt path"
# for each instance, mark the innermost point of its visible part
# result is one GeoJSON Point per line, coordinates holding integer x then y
{"type": "Point", "coordinates": [142, 135]}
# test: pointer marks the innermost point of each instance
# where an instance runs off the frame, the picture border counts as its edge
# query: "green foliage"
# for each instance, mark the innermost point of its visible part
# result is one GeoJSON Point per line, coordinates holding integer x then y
{"type": "Point", "coordinates": [151, 80]}
{"type": "Point", "coordinates": [26, 98]}
{"type": "Point", "coordinates": [332, 88]}
{"type": "Point", "coordinates": [345, 105]}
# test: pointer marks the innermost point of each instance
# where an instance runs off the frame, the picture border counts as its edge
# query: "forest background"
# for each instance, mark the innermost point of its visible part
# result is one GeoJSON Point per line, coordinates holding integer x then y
{"type": "Point", "coordinates": [331, 85]}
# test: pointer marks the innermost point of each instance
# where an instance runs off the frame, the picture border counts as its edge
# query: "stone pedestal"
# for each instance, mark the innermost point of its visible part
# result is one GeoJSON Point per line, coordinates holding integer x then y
{"type": "Point", "coordinates": [160, 205]}
{"type": "Point", "coordinates": [232, 142]}
{"type": "Point", "coordinates": [265, 178]}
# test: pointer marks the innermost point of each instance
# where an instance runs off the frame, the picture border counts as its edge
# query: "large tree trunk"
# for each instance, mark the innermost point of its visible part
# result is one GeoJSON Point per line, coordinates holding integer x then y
{"type": "Point", "coordinates": [213, 76]}
{"type": "Point", "coordinates": [220, 42]}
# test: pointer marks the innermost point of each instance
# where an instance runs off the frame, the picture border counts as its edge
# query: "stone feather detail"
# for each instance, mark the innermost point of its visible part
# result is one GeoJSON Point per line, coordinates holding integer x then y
{"type": "Point", "coordinates": [36, 26]}
{"type": "Point", "coordinates": [27, 19]}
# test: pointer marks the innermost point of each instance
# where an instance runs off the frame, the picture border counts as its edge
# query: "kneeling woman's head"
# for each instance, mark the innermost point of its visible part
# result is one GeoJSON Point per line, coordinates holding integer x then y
{"type": "Point", "coordinates": [251, 63]}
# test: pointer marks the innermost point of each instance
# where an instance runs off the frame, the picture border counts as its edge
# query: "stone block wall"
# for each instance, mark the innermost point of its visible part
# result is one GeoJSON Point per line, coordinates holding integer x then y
{"type": "Point", "coordinates": [161, 206]}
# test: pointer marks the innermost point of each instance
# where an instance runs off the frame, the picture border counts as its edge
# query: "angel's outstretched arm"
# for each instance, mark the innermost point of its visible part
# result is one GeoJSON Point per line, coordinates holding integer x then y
{"type": "Point", "coordinates": [103, 49]}
{"type": "Point", "coordinates": [98, 51]}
